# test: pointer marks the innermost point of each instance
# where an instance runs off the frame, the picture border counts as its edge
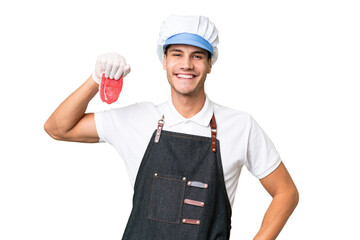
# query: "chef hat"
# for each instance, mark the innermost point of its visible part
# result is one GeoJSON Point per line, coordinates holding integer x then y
{"type": "Point", "coordinates": [190, 30]}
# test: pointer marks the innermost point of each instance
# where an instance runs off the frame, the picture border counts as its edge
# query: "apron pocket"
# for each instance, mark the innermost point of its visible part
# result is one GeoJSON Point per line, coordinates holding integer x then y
{"type": "Point", "coordinates": [167, 197]}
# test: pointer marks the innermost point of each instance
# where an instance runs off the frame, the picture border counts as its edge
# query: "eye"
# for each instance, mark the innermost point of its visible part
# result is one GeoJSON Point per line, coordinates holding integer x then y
{"type": "Point", "coordinates": [198, 56]}
{"type": "Point", "coordinates": [176, 54]}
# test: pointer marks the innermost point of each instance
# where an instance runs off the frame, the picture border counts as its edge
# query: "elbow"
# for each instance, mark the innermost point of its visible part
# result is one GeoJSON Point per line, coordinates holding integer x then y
{"type": "Point", "coordinates": [51, 131]}
{"type": "Point", "coordinates": [295, 197]}
{"type": "Point", "coordinates": [289, 199]}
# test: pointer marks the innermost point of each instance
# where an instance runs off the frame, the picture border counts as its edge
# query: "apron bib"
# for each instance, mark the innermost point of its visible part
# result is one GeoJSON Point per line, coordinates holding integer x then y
{"type": "Point", "coordinates": [179, 192]}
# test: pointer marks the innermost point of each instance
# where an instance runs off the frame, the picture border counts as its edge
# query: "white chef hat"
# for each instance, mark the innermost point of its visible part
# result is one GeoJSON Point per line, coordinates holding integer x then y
{"type": "Point", "coordinates": [190, 30]}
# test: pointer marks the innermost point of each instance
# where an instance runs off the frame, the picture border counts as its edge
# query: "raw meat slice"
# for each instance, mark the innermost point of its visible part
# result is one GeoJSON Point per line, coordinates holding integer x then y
{"type": "Point", "coordinates": [110, 89]}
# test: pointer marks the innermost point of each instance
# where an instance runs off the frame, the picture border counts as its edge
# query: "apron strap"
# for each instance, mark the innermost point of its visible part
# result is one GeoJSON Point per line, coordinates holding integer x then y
{"type": "Point", "coordinates": [213, 133]}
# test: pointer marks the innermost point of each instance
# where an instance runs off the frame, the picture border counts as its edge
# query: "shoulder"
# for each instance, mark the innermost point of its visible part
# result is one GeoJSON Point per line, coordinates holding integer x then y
{"type": "Point", "coordinates": [136, 110]}
{"type": "Point", "coordinates": [233, 126]}
{"type": "Point", "coordinates": [137, 114]}
{"type": "Point", "coordinates": [230, 116]}
{"type": "Point", "coordinates": [125, 121]}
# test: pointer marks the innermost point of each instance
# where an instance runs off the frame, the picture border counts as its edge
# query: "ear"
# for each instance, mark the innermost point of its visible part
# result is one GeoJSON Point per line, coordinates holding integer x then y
{"type": "Point", "coordinates": [164, 62]}
{"type": "Point", "coordinates": [210, 66]}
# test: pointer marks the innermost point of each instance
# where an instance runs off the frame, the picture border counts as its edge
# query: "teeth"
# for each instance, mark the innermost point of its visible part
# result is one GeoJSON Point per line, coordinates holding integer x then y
{"type": "Point", "coordinates": [184, 76]}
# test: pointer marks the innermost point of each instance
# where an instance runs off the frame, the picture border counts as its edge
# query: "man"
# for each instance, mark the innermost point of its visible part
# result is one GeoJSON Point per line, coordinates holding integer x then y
{"type": "Point", "coordinates": [184, 186]}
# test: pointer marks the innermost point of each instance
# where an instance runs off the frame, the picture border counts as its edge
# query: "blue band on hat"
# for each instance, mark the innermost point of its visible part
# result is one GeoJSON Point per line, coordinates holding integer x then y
{"type": "Point", "coordinates": [189, 39]}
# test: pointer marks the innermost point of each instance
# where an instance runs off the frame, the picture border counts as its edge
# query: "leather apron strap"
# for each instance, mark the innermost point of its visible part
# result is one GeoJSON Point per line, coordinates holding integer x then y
{"type": "Point", "coordinates": [213, 132]}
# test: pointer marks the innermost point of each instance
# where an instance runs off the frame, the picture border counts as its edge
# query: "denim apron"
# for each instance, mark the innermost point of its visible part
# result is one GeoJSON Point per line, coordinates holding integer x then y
{"type": "Point", "coordinates": [179, 192]}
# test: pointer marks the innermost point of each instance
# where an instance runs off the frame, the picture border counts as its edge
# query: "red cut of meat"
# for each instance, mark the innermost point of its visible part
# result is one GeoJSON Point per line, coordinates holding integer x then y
{"type": "Point", "coordinates": [110, 89]}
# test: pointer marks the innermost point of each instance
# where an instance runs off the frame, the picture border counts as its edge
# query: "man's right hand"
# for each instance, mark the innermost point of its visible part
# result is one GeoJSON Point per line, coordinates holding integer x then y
{"type": "Point", "coordinates": [69, 122]}
{"type": "Point", "coordinates": [112, 64]}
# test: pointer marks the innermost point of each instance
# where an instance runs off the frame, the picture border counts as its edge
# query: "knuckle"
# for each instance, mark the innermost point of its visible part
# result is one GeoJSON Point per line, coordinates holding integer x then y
{"type": "Point", "coordinates": [117, 64]}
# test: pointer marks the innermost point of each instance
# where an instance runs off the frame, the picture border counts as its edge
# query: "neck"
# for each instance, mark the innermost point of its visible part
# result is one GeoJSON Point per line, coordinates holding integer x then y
{"type": "Point", "coordinates": [188, 106]}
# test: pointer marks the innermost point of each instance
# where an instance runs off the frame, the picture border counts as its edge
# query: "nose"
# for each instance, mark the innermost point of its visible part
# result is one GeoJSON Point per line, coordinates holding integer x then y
{"type": "Point", "coordinates": [187, 63]}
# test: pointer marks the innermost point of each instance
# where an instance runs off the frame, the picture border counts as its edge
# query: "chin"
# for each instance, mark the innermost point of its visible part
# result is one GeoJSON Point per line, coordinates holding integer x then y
{"type": "Point", "coordinates": [185, 92]}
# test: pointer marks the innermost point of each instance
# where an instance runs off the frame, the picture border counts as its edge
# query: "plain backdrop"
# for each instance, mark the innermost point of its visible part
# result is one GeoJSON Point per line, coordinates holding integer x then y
{"type": "Point", "coordinates": [293, 65]}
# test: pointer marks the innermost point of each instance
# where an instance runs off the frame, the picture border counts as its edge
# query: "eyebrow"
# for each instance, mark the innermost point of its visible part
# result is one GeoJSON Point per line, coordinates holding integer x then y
{"type": "Point", "coordinates": [195, 52]}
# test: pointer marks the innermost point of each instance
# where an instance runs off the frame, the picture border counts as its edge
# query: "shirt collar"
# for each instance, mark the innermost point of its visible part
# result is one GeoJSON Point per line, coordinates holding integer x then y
{"type": "Point", "coordinates": [173, 117]}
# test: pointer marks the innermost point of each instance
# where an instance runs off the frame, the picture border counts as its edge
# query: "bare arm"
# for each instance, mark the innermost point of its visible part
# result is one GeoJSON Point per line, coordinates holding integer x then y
{"type": "Point", "coordinates": [69, 121]}
{"type": "Point", "coordinates": [285, 199]}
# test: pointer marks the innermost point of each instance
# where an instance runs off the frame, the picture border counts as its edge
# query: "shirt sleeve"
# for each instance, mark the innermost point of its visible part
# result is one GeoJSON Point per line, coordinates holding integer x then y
{"type": "Point", "coordinates": [110, 123]}
{"type": "Point", "coordinates": [261, 155]}
{"type": "Point", "coordinates": [99, 122]}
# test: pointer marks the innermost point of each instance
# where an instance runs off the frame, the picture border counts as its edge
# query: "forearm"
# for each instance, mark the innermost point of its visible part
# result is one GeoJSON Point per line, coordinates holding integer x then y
{"type": "Point", "coordinates": [279, 211]}
{"type": "Point", "coordinates": [68, 114]}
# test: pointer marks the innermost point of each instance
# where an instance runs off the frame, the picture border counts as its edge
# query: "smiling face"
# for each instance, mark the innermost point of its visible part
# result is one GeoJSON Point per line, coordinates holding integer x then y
{"type": "Point", "coordinates": [186, 68]}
